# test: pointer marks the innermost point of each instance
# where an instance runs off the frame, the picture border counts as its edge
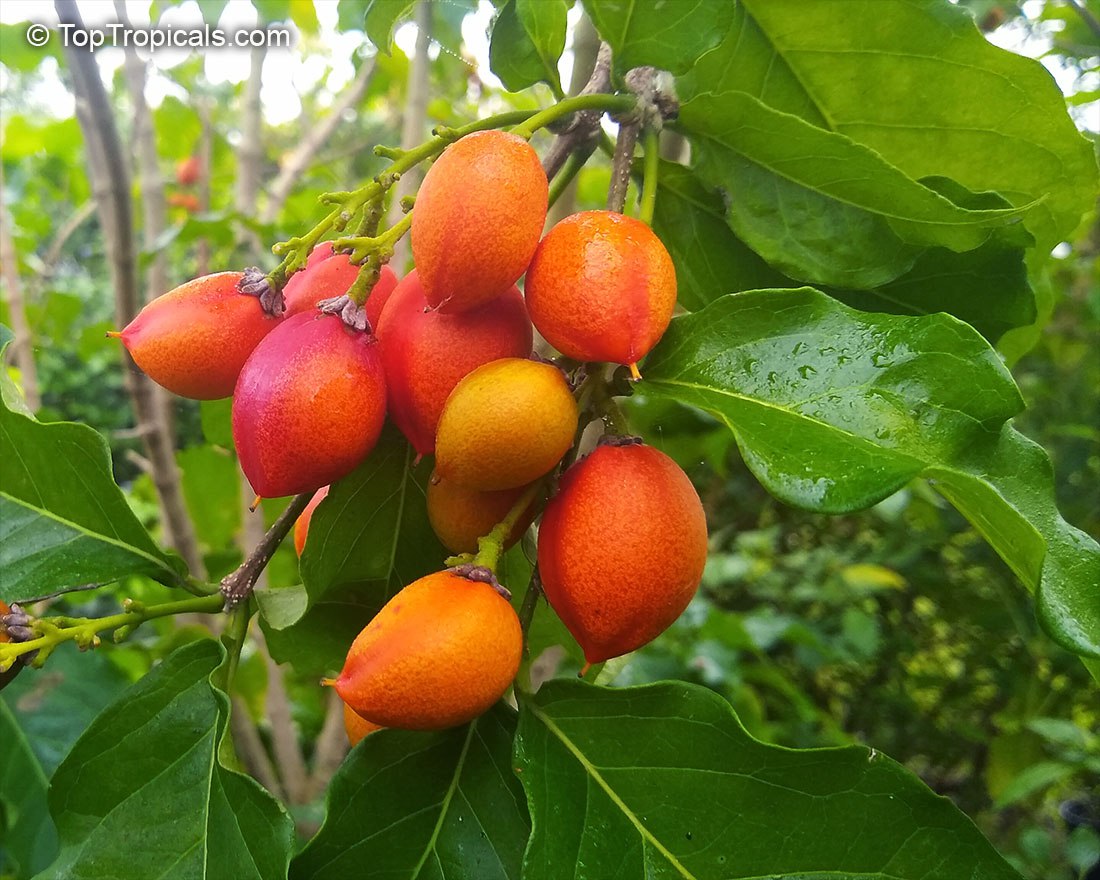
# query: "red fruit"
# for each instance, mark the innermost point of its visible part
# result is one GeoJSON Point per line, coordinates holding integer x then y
{"type": "Point", "coordinates": [188, 171]}
{"type": "Point", "coordinates": [188, 201]}
{"type": "Point", "coordinates": [309, 405]}
{"type": "Point", "coordinates": [426, 353]}
{"type": "Point", "coordinates": [301, 525]}
{"type": "Point", "coordinates": [331, 276]}
{"type": "Point", "coordinates": [622, 548]}
{"type": "Point", "coordinates": [321, 252]}
{"type": "Point", "coordinates": [195, 339]}
{"type": "Point", "coordinates": [601, 287]}
{"type": "Point", "coordinates": [478, 218]}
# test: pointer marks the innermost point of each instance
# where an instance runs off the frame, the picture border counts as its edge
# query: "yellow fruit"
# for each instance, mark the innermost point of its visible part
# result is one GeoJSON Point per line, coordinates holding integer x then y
{"type": "Point", "coordinates": [505, 425]}
{"type": "Point", "coordinates": [460, 516]}
{"type": "Point", "coordinates": [356, 726]}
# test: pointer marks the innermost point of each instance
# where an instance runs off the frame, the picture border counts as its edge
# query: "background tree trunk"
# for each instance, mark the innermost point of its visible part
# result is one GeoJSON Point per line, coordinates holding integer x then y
{"type": "Point", "coordinates": [21, 350]}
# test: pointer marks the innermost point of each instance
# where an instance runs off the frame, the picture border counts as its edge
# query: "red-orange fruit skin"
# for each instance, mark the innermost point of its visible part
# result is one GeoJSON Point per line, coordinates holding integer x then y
{"type": "Point", "coordinates": [301, 524]}
{"type": "Point", "coordinates": [601, 287]}
{"type": "Point", "coordinates": [309, 405]}
{"type": "Point", "coordinates": [427, 353]}
{"type": "Point", "coordinates": [357, 726]}
{"type": "Point", "coordinates": [195, 339]}
{"type": "Point", "coordinates": [188, 171]}
{"type": "Point", "coordinates": [459, 516]}
{"type": "Point", "coordinates": [438, 654]}
{"type": "Point", "coordinates": [621, 548]}
{"type": "Point", "coordinates": [478, 218]}
{"type": "Point", "coordinates": [331, 276]}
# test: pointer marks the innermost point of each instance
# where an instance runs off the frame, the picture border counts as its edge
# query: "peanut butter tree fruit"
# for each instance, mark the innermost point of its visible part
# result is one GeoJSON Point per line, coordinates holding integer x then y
{"type": "Point", "coordinates": [426, 353]}
{"type": "Point", "coordinates": [505, 425]}
{"type": "Point", "coordinates": [601, 287]}
{"type": "Point", "coordinates": [301, 524]}
{"type": "Point", "coordinates": [460, 516]}
{"type": "Point", "coordinates": [309, 405]}
{"type": "Point", "coordinates": [357, 726]}
{"type": "Point", "coordinates": [621, 548]}
{"type": "Point", "coordinates": [188, 171]}
{"type": "Point", "coordinates": [195, 339]}
{"type": "Point", "coordinates": [478, 218]}
{"type": "Point", "coordinates": [330, 277]}
{"type": "Point", "coordinates": [438, 654]}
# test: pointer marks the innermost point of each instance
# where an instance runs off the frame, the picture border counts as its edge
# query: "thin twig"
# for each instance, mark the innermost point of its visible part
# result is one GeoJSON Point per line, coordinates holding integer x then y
{"type": "Point", "coordinates": [237, 587]}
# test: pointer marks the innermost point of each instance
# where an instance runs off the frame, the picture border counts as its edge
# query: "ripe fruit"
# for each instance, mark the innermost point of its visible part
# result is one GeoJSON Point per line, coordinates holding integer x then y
{"type": "Point", "coordinates": [309, 405]}
{"type": "Point", "coordinates": [622, 548]}
{"type": "Point", "coordinates": [601, 287]}
{"type": "Point", "coordinates": [426, 353]}
{"type": "Point", "coordinates": [460, 516]}
{"type": "Point", "coordinates": [195, 339]}
{"type": "Point", "coordinates": [357, 726]}
{"type": "Point", "coordinates": [301, 525]}
{"type": "Point", "coordinates": [439, 653]}
{"type": "Point", "coordinates": [478, 218]}
{"type": "Point", "coordinates": [331, 276]}
{"type": "Point", "coordinates": [505, 425]}
{"type": "Point", "coordinates": [188, 171]}
{"type": "Point", "coordinates": [188, 201]}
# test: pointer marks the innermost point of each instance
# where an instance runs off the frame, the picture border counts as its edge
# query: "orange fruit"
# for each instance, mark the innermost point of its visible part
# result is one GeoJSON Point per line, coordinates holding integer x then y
{"type": "Point", "coordinates": [357, 726]}
{"type": "Point", "coordinates": [601, 287]}
{"type": "Point", "coordinates": [438, 654]}
{"type": "Point", "coordinates": [505, 425]}
{"type": "Point", "coordinates": [621, 548]}
{"type": "Point", "coordinates": [477, 220]}
{"type": "Point", "coordinates": [460, 516]}
{"type": "Point", "coordinates": [301, 524]}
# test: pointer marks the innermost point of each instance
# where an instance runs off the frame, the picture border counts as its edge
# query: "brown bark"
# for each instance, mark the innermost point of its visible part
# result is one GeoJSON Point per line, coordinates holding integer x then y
{"type": "Point", "coordinates": [21, 350]}
{"type": "Point", "coordinates": [111, 188]}
{"type": "Point", "coordinates": [414, 123]}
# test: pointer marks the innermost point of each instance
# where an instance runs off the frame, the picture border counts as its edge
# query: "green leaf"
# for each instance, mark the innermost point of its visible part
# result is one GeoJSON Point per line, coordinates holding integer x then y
{"type": "Point", "coordinates": [1034, 779]}
{"type": "Point", "coordinates": [442, 805]}
{"type": "Point", "coordinates": [668, 773]}
{"type": "Point", "coordinates": [527, 41]}
{"type": "Point", "coordinates": [28, 839]}
{"type": "Point", "coordinates": [670, 36]}
{"type": "Point", "coordinates": [917, 83]}
{"type": "Point", "coordinates": [212, 490]}
{"type": "Point", "coordinates": [217, 422]}
{"type": "Point", "coordinates": [142, 794]}
{"type": "Point", "coordinates": [818, 205]}
{"type": "Point", "coordinates": [63, 521]}
{"type": "Point", "coordinates": [833, 409]}
{"type": "Point", "coordinates": [382, 18]}
{"type": "Point", "coordinates": [212, 10]}
{"type": "Point", "coordinates": [19, 54]}
{"type": "Point", "coordinates": [1005, 486]}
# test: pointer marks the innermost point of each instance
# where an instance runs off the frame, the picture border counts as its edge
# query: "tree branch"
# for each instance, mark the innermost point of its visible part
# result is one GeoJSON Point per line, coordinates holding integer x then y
{"type": "Point", "coordinates": [237, 587]}
{"type": "Point", "coordinates": [22, 346]}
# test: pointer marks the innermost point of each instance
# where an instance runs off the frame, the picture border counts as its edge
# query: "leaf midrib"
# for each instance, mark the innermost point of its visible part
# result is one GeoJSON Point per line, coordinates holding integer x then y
{"type": "Point", "coordinates": [446, 803]}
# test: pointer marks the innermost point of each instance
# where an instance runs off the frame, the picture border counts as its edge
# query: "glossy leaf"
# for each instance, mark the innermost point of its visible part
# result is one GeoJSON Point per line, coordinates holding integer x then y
{"type": "Point", "coordinates": [142, 794]}
{"type": "Point", "coordinates": [527, 41]}
{"type": "Point", "coordinates": [817, 205]}
{"type": "Point", "coordinates": [834, 410]}
{"type": "Point", "coordinates": [442, 805]}
{"type": "Point", "coordinates": [670, 36]}
{"type": "Point", "coordinates": [28, 839]}
{"type": "Point", "coordinates": [669, 774]}
{"type": "Point", "coordinates": [882, 73]}
{"type": "Point", "coordinates": [382, 18]}
{"type": "Point", "coordinates": [63, 521]}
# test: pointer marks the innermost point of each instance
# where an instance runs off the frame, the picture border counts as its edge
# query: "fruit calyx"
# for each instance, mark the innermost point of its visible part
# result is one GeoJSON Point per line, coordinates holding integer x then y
{"type": "Point", "coordinates": [347, 310]}
{"type": "Point", "coordinates": [482, 575]}
{"type": "Point", "coordinates": [256, 283]}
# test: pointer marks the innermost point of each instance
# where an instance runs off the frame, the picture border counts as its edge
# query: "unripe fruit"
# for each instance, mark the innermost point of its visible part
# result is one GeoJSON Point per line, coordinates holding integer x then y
{"type": "Point", "coordinates": [301, 524]}
{"type": "Point", "coordinates": [505, 425]}
{"type": "Point", "coordinates": [601, 287]}
{"type": "Point", "coordinates": [188, 171]}
{"type": "Point", "coordinates": [357, 726]}
{"type": "Point", "coordinates": [460, 516]}
{"type": "Point", "coordinates": [195, 339]}
{"type": "Point", "coordinates": [621, 548]}
{"type": "Point", "coordinates": [438, 654]}
{"type": "Point", "coordinates": [309, 405]}
{"type": "Point", "coordinates": [330, 277]}
{"type": "Point", "coordinates": [426, 353]}
{"type": "Point", "coordinates": [478, 218]}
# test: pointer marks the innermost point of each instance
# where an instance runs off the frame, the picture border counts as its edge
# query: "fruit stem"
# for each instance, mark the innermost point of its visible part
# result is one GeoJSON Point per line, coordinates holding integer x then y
{"type": "Point", "coordinates": [649, 177]}
{"type": "Point", "coordinates": [599, 101]}
{"type": "Point", "coordinates": [84, 630]}
{"type": "Point", "coordinates": [569, 170]}
{"type": "Point", "coordinates": [491, 546]}
{"type": "Point", "coordinates": [236, 631]}
{"type": "Point", "coordinates": [526, 611]}
{"type": "Point", "coordinates": [620, 165]}
{"type": "Point", "coordinates": [237, 587]}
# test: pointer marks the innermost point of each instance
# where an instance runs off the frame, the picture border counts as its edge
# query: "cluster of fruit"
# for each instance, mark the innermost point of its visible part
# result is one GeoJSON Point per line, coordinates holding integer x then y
{"type": "Point", "coordinates": [447, 353]}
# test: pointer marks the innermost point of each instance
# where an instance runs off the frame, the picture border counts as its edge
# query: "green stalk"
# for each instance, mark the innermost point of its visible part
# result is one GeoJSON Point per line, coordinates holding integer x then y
{"type": "Point", "coordinates": [649, 177]}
